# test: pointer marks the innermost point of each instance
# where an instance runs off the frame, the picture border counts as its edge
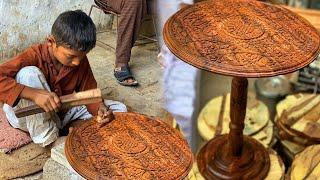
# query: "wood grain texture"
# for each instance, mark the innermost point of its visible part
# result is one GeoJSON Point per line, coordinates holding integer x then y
{"type": "Point", "coordinates": [306, 165]}
{"type": "Point", "coordinates": [214, 162]}
{"type": "Point", "coordinates": [132, 146]}
{"type": "Point", "coordinates": [243, 38]}
{"type": "Point", "coordinates": [238, 104]}
{"type": "Point", "coordinates": [298, 119]}
{"type": "Point", "coordinates": [234, 156]}
{"type": "Point", "coordinates": [276, 171]}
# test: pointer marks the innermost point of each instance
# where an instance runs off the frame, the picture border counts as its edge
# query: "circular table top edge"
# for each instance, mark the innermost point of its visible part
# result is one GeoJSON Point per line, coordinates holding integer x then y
{"type": "Point", "coordinates": [90, 175]}
{"type": "Point", "coordinates": [184, 55]}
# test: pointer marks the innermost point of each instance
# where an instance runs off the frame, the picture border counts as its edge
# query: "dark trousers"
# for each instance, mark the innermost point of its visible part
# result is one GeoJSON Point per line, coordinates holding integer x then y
{"type": "Point", "coordinates": [131, 13]}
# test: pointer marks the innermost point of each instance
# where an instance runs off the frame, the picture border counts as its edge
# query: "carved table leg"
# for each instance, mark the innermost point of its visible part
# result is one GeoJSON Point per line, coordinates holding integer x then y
{"type": "Point", "coordinates": [234, 156]}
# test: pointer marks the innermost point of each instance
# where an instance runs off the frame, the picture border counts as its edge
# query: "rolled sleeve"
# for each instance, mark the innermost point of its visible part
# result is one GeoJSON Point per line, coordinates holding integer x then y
{"type": "Point", "coordinates": [15, 93]}
{"type": "Point", "coordinates": [10, 90]}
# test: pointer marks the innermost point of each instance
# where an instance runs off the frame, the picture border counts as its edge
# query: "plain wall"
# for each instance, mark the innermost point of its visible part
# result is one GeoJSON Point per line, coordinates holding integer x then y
{"type": "Point", "coordinates": [26, 22]}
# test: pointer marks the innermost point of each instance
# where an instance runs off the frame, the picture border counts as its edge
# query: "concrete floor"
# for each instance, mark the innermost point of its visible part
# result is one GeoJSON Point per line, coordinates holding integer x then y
{"type": "Point", "coordinates": [146, 98]}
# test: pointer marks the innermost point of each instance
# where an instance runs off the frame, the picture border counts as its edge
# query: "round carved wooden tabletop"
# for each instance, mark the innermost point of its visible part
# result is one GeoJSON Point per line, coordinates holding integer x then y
{"type": "Point", "coordinates": [243, 38]}
{"type": "Point", "coordinates": [132, 146]}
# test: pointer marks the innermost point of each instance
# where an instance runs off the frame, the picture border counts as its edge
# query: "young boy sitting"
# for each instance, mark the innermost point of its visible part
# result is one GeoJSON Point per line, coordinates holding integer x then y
{"type": "Point", "coordinates": [46, 71]}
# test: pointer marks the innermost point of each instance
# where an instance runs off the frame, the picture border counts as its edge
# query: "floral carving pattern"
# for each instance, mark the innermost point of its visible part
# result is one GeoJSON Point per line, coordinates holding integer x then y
{"type": "Point", "coordinates": [242, 38]}
{"type": "Point", "coordinates": [132, 146]}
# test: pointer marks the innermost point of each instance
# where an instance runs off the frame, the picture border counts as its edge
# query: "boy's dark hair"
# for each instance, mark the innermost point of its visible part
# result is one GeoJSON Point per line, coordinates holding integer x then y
{"type": "Point", "coordinates": [74, 30]}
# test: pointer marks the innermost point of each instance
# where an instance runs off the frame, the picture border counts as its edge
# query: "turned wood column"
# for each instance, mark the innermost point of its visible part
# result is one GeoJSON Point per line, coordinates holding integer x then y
{"type": "Point", "coordinates": [248, 44]}
{"type": "Point", "coordinates": [238, 104]}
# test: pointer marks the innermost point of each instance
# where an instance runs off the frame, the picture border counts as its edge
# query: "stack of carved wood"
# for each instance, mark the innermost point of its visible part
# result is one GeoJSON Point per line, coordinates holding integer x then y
{"type": "Point", "coordinates": [298, 122]}
{"type": "Point", "coordinates": [214, 120]}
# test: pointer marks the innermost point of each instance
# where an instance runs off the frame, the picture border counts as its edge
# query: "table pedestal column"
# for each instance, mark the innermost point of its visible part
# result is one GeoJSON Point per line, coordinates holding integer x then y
{"type": "Point", "coordinates": [234, 156]}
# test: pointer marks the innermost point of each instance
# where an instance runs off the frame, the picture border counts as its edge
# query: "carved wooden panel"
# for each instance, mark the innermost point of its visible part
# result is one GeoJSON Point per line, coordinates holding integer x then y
{"type": "Point", "coordinates": [242, 38]}
{"type": "Point", "coordinates": [132, 146]}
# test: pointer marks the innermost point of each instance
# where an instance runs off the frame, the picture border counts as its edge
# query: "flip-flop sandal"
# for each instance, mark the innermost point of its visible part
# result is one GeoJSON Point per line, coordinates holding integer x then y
{"type": "Point", "coordinates": [123, 73]}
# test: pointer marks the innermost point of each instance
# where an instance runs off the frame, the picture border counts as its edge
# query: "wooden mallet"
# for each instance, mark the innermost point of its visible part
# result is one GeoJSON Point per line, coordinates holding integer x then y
{"type": "Point", "coordinates": [67, 102]}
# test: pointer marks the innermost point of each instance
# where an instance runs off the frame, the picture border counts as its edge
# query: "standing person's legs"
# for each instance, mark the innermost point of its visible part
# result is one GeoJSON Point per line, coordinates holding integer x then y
{"type": "Point", "coordinates": [42, 127]}
{"type": "Point", "coordinates": [132, 13]}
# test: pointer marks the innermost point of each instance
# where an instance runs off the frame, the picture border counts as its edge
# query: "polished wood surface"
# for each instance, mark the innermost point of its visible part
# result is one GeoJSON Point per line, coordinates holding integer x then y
{"type": "Point", "coordinates": [243, 38]}
{"type": "Point", "coordinates": [132, 146]}
{"type": "Point", "coordinates": [238, 104]}
{"type": "Point", "coordinates": [215, 163]}
{"type": "Point", "coordinates": [214, 119]}
{"type": "Point", "coordinates": [234, 156]}
{"type": "Point", "coordinates": [276, 172]}
{"type": "Point", "coordinates": [240, 38]}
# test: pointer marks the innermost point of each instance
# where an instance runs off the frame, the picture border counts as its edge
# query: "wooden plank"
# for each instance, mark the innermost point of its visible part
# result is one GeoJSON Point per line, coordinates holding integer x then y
{"type": "Point", "coordinates": [67, 101]}
{"type": "Point", "coordinates": [309, 124]}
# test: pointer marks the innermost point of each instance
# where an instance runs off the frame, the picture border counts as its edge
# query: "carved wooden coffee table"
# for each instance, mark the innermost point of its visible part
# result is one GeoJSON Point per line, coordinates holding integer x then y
{"type": "Point", "coordinates": [132, 146]}
{"type": "Point", "coordinates": [243, 39]}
